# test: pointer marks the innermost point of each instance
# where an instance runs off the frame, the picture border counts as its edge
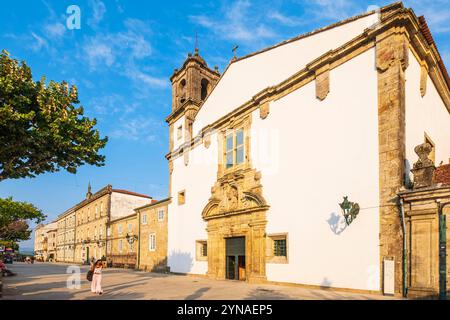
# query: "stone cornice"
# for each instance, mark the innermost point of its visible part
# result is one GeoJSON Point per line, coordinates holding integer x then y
{"type": "Point", "coordinates": [186, 106]}
{"type": "Point", "coordinates": [402, 20]}
{"type": "Point", "coordinates": [192, 62]}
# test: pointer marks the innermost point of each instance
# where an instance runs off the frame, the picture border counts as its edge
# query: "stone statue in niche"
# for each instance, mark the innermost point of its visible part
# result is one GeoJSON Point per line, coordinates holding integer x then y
{"type": "Point", "coordinates": [232, 198]}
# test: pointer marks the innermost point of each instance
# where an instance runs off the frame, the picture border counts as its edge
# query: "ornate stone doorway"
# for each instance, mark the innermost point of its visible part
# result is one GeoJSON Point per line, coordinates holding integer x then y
{"type": "Point", "coordinates": [237, 210]}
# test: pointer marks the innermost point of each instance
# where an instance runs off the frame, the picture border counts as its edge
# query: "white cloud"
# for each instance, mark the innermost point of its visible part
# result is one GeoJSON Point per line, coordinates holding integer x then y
{"type": "Point", "coordinates": [120, 48]}
{"type": "Point", "coordinates": [239, 23]}
{"type": "Point", "coordinates": [107, 105]}
{"type": "Point", "coordinates": [334, 10]}
{"type": "Point", "coordinates": [39, 42]}
{"type": "Point", "coordinates": [55, 30]}
{"type": "Point", "coordinates": [138, 129]}
{"type": "Point", "coordinates": [98, 11]}
{"type": "Point", "coordinates": [98, 53]}
{"type": "Point", "coordinates": [148, 80]}
{"type": "Point", "coordinates": [437, 14]}
{"type": "Point", "coordinates": [285, 20]}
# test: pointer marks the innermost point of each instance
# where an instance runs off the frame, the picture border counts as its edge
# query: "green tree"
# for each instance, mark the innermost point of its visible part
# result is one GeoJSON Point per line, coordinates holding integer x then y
{"type": "Point", "coordinates": [14, 217]}
{"type": "Point", "coordinates": [42, 129]}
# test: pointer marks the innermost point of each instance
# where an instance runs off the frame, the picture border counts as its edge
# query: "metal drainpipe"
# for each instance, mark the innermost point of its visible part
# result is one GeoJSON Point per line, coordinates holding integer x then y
{"type": "Point", "coordinates": [404, 262]}
{"type": "Point", "coordinates": [442, 282]}
{"type": "Point", "coordinates": [139, 240]}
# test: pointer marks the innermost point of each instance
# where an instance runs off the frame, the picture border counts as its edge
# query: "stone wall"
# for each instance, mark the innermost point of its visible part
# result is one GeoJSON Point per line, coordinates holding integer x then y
{"type": "Point", "coordinates": [392, 61]}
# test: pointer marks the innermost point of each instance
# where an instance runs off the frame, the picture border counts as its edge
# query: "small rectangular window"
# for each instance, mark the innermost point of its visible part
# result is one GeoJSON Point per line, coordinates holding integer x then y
{"type": "Point", "coordinates": [120, 245]}
{"type": "Point", "coordinates": [119, 229]}
{"type": "Point", "coordinates": [152, 242]}
{"type": "Point", "coordinates": [240, 146]}
{"type": "Point", "coordinates": [234, 148]}
{"type": "Point", "coordinates": [130, 227]}
{"type": "Point", "coordinates": [144, 218]}
{"type": "Point", "coordinates": [181, 197]}
{"type": "Point", "coordinates": [161, 215]}
{"type": "Point", "coordinates": [202, 250]}
{"type": "Point", "coordinates": [229, 151]}
{"type": "Point", "coordinates": [279, 248]}
{"type": "Point", "coordinates": [180, 132]}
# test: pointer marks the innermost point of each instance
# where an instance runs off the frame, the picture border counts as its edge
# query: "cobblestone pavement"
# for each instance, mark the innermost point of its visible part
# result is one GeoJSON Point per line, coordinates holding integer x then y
{"type": "Point", "coordinates": [44, 281]}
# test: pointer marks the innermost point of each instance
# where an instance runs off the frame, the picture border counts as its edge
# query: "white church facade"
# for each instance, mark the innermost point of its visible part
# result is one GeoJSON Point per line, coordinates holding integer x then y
{"type": "Point", "coordinates": [266, 158]}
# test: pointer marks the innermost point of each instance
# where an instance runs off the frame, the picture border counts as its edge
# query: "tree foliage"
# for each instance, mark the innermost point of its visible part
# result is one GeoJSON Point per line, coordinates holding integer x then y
{"type": "Point", "coordinates": [41, 128]}
{"type": "Point", "coordinates": [13, 219]}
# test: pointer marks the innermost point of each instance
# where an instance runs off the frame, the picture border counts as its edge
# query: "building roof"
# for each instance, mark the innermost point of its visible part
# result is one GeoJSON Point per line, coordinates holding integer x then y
{"type": "Point", "coordinates": [262, 70]}
{"type": "Point", "coordinates": [429, 37]}
{"type": "Point", "coordinates": [132, 193]}
{"type": "Point", "coordinates": [153, 204]}
{"type": "Point", "coordinates": [255, 72]}
{"type": "Point", "coordinates": [107, 190]}
{"type": "Point", "coordinates": [124, 217]}
{"type": "Point", "coordinates": [442, 175]}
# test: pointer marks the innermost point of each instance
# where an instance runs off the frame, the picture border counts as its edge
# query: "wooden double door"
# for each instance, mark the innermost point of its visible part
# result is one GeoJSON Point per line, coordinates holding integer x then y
{"type": "Point", "coordinates": [235, 258]}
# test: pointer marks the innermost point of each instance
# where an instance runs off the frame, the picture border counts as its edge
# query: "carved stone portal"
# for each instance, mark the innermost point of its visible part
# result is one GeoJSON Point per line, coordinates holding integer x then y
{"type": "Point", "coordinates": [237, 209]}
{"type": "Point", "coordinates": [235, 193]}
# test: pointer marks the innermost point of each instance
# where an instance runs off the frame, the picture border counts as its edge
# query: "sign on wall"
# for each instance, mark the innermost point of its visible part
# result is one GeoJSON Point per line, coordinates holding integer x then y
{"type": "Point", "coordinates": [389, 277]}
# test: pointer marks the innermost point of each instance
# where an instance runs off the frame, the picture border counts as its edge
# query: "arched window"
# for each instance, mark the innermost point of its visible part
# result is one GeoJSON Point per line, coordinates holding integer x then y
{"type": "Point", "coordinates": [204, 89]}
{"type": "Point", "coordinates": [182, 91]}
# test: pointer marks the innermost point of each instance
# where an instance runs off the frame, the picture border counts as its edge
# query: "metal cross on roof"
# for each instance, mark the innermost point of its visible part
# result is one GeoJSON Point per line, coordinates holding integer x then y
{"type": "Point", "coordinates": [234, 50]}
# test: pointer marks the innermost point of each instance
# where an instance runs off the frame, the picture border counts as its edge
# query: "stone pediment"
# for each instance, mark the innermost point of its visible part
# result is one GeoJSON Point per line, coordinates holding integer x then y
{"type": "Point", "coordinates": [238, 192]}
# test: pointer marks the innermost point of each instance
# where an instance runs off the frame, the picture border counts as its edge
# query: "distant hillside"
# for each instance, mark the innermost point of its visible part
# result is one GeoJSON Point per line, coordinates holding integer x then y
{"type": "Point", "coordinates": [26, 250]}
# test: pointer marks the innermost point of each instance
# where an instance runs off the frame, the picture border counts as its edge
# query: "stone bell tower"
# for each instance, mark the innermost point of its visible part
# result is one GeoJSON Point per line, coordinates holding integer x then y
{"type": "Point", "coordinates": [191, 85]}
{"type": "Point", "coordinates": [193, 82]}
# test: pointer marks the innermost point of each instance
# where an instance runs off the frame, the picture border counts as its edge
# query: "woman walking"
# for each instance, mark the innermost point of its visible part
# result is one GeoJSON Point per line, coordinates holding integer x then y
{"type": "Point", "coordinates": [96, 285]}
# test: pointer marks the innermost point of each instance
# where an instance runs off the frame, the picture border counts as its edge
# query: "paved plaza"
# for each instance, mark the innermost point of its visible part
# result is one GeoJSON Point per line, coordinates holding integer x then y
{"type": "Point", "coordinates": [44, 281]}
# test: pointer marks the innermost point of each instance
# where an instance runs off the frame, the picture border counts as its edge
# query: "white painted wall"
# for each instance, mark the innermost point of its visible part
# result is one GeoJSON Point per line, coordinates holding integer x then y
{"type": "Point", "coordinates": [185, 222]}
{"type": "Point", "coordinates": [124, 204]}
{"type": "Point", "coordinates": [178, 142]}
{"type": "Point", "coordinates": [311, 154]}
{"type": "Point", "coordinates": [318, 152]}
{"type": "Point", "coordinates": [247, 77]}
{"type": "Point", "coordinates": [427, 114]}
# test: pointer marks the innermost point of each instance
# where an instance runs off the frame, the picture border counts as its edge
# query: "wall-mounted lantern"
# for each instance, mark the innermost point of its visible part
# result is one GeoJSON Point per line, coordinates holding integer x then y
{"type": "Point", "coordinates": [350, 210]}
{"type": "Point", "coordinates": [131, 238]}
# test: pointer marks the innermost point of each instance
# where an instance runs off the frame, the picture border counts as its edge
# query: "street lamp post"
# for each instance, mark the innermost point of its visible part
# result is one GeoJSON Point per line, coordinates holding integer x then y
{"type": "Point", "coordinates": [131, 238]}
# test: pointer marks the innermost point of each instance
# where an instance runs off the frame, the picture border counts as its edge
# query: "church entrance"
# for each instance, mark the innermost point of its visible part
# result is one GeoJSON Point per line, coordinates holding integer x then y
{"type": "Point", "coordinates": [236, 226]}
{"type": "Point", "coordinates": [235, 258]}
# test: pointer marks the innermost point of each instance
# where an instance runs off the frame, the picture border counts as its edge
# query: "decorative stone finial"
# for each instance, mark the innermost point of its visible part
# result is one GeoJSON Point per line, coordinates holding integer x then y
{"type": "Point", "coordinates": [424, 168]}
{"type": "Point", "coordinates": [89, 193]}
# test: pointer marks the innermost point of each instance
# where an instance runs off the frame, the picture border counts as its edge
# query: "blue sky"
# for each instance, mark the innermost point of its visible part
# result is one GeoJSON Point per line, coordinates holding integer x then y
{"type": "Point", "coordinates": [121, 61]}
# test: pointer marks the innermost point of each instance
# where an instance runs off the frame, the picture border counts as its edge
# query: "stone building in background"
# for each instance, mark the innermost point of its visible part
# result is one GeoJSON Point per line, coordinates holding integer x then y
{"type": "Point", "coordinates": [93, 216]}
{"type": "Point", "coordinates": [45, 241]}
{"type": "Point", "coordinates": [152, 250]}
{"type": "Point", "coordinates": [65, 251]}
{"type": "Point", "coordinates": [122, 241]}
